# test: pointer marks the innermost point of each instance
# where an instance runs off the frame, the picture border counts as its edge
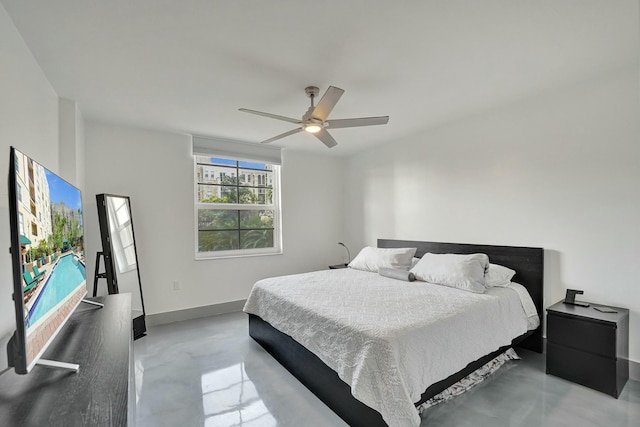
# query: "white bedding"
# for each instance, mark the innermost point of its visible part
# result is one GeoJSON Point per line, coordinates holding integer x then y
{"type": "Point", "coordinates": [388, 339]}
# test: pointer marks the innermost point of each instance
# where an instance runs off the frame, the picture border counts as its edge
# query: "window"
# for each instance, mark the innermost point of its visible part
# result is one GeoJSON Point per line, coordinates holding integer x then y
{"type": "Point", "coordinates": [237, 207]}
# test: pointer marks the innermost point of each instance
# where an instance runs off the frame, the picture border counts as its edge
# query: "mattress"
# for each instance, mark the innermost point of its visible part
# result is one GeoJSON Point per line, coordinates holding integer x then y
{"type": "Point", "coordinates": [388, 339]}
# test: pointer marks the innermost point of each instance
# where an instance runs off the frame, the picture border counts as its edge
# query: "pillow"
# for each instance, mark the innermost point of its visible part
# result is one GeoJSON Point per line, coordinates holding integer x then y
{"type": "Point", "coordinates": [414, 261]}
{"type": "Point", "coordinates": [395, 273]}
{"type": "Point", "coordinates": [465, 272]}
{"type": "Point", "coordinates": [372, 259]}
{"type": "Point", "coordinates": [498, 275]}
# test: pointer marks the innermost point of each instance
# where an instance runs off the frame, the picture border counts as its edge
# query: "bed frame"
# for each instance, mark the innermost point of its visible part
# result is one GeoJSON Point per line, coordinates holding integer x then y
{"type": "Point", "coordinates": [335, 393]}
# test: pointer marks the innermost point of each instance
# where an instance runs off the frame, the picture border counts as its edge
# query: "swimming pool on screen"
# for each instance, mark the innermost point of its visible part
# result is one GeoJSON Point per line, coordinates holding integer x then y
{"type": "Point", "coordinates": [68, 273]}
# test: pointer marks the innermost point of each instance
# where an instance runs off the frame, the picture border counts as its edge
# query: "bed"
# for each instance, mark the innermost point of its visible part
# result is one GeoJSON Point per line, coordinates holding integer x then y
{"type": "Point", "coordinates": [311, 366]}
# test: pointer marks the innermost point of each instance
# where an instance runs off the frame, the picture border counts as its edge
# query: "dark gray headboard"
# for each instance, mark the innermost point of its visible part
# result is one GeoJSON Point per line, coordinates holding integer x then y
{"type": "Point", "coordinates": [527, 262]}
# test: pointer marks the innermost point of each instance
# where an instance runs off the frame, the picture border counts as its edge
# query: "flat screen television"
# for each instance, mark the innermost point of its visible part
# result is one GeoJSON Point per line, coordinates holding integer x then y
{"type": "Point", "coordinates": [47, 252]}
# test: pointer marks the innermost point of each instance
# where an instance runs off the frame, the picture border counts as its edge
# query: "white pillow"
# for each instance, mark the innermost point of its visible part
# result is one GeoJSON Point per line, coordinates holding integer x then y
{"type": "Point", "coordinates": [498, 275]}
{"type": "Point", "coordinates": [464, 272]}
{"type": "Point", "coordinates": [414, 261]}
{"type": "Point", "coordinates": [372, 259]}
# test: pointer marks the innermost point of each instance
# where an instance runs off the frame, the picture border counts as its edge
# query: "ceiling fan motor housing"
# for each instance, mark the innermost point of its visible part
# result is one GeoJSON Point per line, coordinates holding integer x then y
{"type": "Point", "coordinates": [309, 123]}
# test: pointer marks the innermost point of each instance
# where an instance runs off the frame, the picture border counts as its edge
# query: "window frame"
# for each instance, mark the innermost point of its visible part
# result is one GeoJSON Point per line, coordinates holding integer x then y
{"type": "Point", "coordinates": [275, 206]}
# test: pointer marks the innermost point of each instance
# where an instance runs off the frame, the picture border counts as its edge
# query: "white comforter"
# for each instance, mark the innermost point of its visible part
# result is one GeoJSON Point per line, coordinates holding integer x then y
{"type": "Point", "coordinates": [388, 339]}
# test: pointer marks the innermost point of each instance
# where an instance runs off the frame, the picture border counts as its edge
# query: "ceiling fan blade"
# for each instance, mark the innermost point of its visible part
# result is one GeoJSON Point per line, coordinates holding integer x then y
{"type": "Point", "coordinates": [326, 138]}
{"type": "Point", "coordinates": [328, 101]}
{"type": "Point", "coordinates": [282, 135]}
{"type": "Point", "coordinates": [362, 121]}
{"type": "Point", "coordinates": [272, 116]}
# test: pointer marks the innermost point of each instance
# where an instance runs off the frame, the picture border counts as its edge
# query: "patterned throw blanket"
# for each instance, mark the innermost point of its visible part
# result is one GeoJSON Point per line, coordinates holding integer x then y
{"type": "Point", "coordinates": [471, 380]}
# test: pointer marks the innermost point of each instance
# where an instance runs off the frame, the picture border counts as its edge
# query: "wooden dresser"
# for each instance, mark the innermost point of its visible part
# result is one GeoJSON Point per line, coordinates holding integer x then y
{"type": "Point", "coordinates": [101, 393]}
{"type": "Point", "coordinates": [589, 347]}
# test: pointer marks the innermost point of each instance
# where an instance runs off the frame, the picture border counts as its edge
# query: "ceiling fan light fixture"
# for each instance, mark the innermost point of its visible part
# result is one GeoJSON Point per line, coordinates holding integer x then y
{"type": "Point", "coordinates": [312, 128]}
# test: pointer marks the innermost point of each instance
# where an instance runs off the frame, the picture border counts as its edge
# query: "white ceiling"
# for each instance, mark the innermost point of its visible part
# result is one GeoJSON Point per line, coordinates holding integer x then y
{"type": "Point", "coordinates": [187, 66]}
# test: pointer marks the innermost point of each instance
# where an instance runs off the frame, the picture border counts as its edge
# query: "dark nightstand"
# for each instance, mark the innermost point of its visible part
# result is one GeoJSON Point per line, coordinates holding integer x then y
{"type": "Point", "coordinates": [336, 266]}
{"type": "Point", "coordinates": [589, 347]}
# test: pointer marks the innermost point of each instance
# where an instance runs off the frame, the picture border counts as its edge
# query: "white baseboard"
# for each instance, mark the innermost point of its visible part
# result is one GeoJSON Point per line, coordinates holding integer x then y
{"type": "Point", "coordinates": [193, 313]}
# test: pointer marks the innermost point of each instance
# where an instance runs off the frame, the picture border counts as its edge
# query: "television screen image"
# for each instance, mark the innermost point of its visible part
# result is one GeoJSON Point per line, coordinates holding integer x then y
{"type": "Point", "coordinates": [47, 250]}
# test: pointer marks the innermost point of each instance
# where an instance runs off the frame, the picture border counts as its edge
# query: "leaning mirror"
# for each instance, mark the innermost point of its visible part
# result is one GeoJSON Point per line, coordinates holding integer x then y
{"type": "Point", "coordinates": [120, 255]}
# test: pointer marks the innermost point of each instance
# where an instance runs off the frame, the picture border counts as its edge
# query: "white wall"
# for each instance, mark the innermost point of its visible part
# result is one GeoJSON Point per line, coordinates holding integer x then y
{"type": "Point", "coordinates": [560, 171]}
{"type": "Point", "coordinates": [28, 121]}
{"type": "Point", "coordinates": [156, 170]}
{"type": "Point", "coordinates": [71, 140]}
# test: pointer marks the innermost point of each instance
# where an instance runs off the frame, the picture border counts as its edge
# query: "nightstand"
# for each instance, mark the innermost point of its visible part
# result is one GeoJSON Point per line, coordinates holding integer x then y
{"type": "Point", "coordinates": [336, 266]}
{"type": "Point", "coordinates": [589, 347]}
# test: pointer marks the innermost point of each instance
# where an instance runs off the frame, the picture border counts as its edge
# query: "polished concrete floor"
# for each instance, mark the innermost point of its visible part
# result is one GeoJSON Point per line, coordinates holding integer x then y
{"type": "Point", "coordinates": [208, 372]}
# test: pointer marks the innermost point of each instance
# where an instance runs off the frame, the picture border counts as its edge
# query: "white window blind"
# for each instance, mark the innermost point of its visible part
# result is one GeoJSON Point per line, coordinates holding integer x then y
{"type": "Point", "coordinates": [216, 147]}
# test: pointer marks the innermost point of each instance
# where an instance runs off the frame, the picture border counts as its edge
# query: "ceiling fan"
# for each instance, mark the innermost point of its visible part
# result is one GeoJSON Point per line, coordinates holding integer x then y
{"type": "Point", "coordinates": [315, 120]}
